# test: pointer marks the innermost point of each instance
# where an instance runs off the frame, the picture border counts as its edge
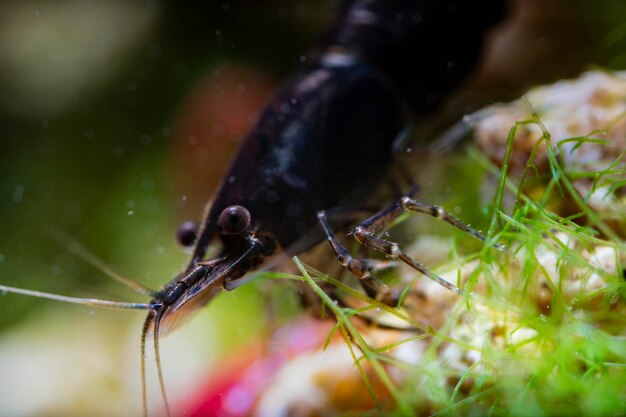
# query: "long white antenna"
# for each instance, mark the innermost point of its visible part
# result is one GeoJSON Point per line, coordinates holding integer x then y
{"type": "Point", "coordinates": [121, 305]}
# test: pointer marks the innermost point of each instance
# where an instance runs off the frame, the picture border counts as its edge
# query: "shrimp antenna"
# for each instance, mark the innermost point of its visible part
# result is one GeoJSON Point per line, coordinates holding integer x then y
{"type": "Point", "coordinates": [157, 355]}
{"type": "Point", "coordinates": [154, 319]}
{"type": "Point", "coordinates": [86, 255]}
{"type": "Point", "coordinates": [119, 305]}
{"type": "Point", "coordinates": [144, 333]}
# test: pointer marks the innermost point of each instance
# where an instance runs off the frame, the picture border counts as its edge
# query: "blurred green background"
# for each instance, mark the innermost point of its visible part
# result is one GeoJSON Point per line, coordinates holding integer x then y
{"type": "Point", "coordinates": [90, 95]}
{"type": "Point", "coordinates": [116, 120]}
{"type": "Point", "coordinates": [98, 102]}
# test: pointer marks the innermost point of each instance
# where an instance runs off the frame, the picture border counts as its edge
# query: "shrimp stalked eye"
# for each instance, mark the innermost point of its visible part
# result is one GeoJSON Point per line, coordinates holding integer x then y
{"type": "Point", "coordinates": [187, 233]}
{"type": "Point", "coordinates": [234, 220]}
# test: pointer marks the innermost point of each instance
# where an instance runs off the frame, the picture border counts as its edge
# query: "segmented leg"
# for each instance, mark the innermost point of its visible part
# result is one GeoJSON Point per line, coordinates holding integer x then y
{"type": "Point", "coordinates": [365, 233]}
{"type": "Point", "coordinates": [362, 268]}
{"type": "Point", "coordinates": [409, 204]}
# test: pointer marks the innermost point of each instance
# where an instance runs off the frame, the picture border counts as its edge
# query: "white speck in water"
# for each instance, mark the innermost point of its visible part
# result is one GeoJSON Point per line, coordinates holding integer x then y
{"type": "Point", "coordinates": [56, 270]}
{"type": "Point", "coordinates": [130, 204]}
{"type": "Point", "coordinates": [184, 198]}
{"type": "Point", "coordinates": [232, 179]}
{"type": "Point", "coordinates": [92, 313]}
{"type": "Point", "coordinates": [302, 58]}
{"type": "Point", "coordinates": [131, 212]}
{"type": "Point", "coordinates": [1, 258]}
{"type": "Point", "coordinates": [160, 250]}
{"type": "Point", "coordinates": [409, 150]}
{"type": "Point", "coordinates": [294, 101]}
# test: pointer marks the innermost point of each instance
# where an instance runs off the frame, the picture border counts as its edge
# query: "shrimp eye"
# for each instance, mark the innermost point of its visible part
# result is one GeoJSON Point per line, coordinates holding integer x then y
{"type": "Point", "coordinates": [187, 233]}
{"type": "Point", "coordinates": [234, 220]}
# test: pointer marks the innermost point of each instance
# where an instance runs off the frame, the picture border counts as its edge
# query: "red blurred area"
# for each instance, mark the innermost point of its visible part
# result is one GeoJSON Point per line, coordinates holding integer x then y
{"type": "Point", "coordinates": [217, 114]}
{"type": "Point", "coordinates": [233, 388]}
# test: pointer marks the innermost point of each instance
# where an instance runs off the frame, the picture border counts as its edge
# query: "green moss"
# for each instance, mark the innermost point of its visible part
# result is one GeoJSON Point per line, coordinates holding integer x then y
{"type": "Point", "coordinates": [565, 355]}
